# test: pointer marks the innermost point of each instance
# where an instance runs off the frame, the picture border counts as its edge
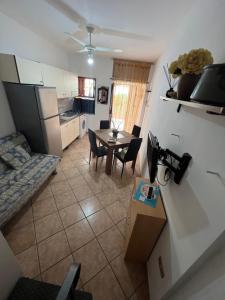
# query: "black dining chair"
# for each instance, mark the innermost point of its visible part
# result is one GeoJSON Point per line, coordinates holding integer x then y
{"type": "Point", "coordinates": [97, 151]}
{"type": "Point", "coordinates": [130, 154]}
{"type": "Point", "coordinates": [27, 289]}
{"type": "Point", "coordinates": [104, 124]}
{"type": "Point", "coordinates": [136, 131]}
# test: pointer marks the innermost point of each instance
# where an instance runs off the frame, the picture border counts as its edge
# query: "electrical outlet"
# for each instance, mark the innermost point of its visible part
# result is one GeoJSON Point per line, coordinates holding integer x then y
{"type": "Point", "coordinates": [161, 269]}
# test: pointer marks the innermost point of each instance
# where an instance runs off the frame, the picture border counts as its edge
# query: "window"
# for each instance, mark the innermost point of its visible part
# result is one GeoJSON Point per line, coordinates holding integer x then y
{"type": "Point", "coordinates": [87, 87]}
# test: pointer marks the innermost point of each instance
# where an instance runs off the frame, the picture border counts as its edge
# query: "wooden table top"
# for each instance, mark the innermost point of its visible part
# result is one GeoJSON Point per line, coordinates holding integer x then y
{"type": "Point", "coordinates": [123, 139]}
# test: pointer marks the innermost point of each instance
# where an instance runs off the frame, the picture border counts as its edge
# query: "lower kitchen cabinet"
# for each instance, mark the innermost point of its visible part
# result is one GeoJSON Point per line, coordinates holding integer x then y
{"type": "Point", "coordinates": [70, 131]}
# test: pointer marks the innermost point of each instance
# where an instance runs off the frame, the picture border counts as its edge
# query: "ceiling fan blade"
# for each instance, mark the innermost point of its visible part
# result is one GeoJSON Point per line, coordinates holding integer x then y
{"type": "Point", "coordinates": [123, 34]}
{"type": "Point", "coordinates": [75, 39]}
{"type": "Point", "coordinates": [82, 50]}
{"type": "Point", "coordinates": [68, 11]}
{"type": "Point", "coordinates": [103, 49]}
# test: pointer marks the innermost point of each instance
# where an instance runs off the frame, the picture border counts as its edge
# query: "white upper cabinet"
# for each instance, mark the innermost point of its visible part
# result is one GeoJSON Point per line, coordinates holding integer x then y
{"type": "Point", "coordinates": [29, 71]}
{"type": "Point", "coordinates": [20, 70]}
{"type": "Point", "coordinates": [49, 75]}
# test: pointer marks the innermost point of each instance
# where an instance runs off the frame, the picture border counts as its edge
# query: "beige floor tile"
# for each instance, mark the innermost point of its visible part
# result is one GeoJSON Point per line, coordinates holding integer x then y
{"type": "Point", "coordinates": [100, 221]}
{"type": "Point", "coordinates": [58, 177]}
{"type": "Point", "coordinates": [77, 182]}
{"type": "Point", "coordinates": [104, 286]}
{"type": "Point", "coordinates": [84, 169]}
{"type": "Point", "coordinates": [107, 198]}
{"type": "Point", "coordinates": [22, 218]}
{"type": "Point", "coordinates": [116, 211]}
{"type": "Point", "coordinates": [47, 226]}
{"type": "Point", "coordinates": [21, 239]}
{"type": "Point", "coordinates": [60, 188]}
{"type": "Point", "coordinates": [92, 260]}
{"type": "Point", "coordinates": [142, 293]}
{"type": "Point", "coordinates": [75, 156]}
{"type": "Point", "coordinates": [28, 261]}
{"type": "Point", "coordinates": [83, 192]}
{"type": "Point", "coordinates": [80, 162]}
{"type": "Point", "coordinates": [65, 199]}
{"type": "Point", "coordinates": [58, 272]}
{"type": "Point", "coordinates": [71, 214]}
{"type": "Point", "coordinates": [71, 173]}
{"type": "Point", "coordinates": [129, 275]}
{"type": "Point", "coordinates": [52, 250]}
{"type": "Point", "coordinates": [122, 226]}
{"type": "Point", "coordinates": [79, 234]}
{"type": "Point", "coordinates": [112, 242]}
{"type": "Point", "coordinates": [90, 206]}
{"type": "Point", "coordinates": [43, 208]}
{"type": "Point", "coordinates": [44, 192]}
{"type": "Point", "coordinates": [66, 165]}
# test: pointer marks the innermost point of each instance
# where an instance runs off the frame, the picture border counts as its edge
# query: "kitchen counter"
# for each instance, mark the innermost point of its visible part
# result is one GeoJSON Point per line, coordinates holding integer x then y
{"type": "Point", "coordinates": [62, 122]}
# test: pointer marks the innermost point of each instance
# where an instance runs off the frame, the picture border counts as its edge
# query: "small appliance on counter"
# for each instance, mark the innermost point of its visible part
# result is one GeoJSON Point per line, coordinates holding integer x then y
{"type": "Point", "coordinates": [210, 89]}
{"type": "Point", "coordinates": [36, 115]}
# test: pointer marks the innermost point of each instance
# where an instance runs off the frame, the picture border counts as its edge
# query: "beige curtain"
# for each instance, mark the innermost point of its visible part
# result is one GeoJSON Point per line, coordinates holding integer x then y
{"type": "Point", "coordinates": [129, 70]}
{"type": "Point", "coordinates": [128, 99]}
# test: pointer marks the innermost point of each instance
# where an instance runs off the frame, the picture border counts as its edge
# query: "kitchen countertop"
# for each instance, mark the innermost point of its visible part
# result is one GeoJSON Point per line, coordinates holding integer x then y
{"type": "Point", "coordinates": [62, 122]}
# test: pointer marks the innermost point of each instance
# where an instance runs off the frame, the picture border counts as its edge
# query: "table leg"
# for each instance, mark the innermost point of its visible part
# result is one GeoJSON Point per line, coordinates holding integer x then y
{"type": "Point", "coordinates": [108, 167]}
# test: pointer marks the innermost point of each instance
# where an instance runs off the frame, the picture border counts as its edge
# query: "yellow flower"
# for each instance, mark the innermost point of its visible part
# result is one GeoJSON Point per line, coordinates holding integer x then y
{"type": "Point", "coordinates": [191, 63]}
{"type": "Point", "coordinates": [174, 69]}
{"type": "Point", "coordinates": [194, 61]}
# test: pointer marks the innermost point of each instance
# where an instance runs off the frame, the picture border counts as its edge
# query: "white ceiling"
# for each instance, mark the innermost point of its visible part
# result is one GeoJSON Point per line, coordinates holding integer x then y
{"type": "Point", "coordinates": [155, 20]}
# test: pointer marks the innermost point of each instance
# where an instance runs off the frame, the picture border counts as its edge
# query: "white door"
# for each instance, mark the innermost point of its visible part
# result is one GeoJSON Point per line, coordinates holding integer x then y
{"type": "Point", "coordinates": [29, 71]}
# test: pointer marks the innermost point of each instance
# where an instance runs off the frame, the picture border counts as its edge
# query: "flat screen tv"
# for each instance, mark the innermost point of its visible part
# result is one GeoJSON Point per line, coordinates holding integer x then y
{"type": "Point", "coordinates": [153, 155]}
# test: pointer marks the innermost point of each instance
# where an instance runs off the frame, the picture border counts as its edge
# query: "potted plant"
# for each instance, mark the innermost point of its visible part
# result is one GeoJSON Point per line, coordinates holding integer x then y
{"type": "Point", "coordinates": [188, 67]}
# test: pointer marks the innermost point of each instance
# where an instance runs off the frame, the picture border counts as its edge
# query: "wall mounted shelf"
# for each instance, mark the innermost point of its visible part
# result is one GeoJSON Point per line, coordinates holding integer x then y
{"type": "Point", "coordinates": [210, 109]}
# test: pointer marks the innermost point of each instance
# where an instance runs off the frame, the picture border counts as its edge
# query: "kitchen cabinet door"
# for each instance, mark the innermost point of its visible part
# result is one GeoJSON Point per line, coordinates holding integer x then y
{"type": "Point", "coordinates": [65, 135]}
{"type": "Point", "coordinates": [77, 127]}
{"type": "Point", "coordinates": [29, 71]}
{"type": "Point", "coordinates": [50, 77]}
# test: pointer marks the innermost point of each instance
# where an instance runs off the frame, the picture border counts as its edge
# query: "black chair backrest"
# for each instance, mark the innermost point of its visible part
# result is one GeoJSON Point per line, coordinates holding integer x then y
{"type": "Point", "coordinates": [133, 149]}
{"type": "Point", "coordinates": [136, 131]}
{"type": "Point", "coordinates": [104, 124]}
{"type": "Point", "coordinates": [92, 140]}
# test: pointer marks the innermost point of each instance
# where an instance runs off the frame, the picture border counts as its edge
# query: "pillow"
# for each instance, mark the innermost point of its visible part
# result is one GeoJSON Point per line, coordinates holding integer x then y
{"type": "Point", "coordinates": [16, 157]}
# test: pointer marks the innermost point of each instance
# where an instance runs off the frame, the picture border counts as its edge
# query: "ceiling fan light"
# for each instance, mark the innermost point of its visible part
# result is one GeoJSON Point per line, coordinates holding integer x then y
{"type": "Point", "coordinates": [90, 58]}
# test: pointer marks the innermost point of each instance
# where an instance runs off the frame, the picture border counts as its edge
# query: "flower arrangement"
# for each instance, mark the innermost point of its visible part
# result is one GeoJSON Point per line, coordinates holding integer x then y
{"type": "Point", "coordinates": [191, 63]}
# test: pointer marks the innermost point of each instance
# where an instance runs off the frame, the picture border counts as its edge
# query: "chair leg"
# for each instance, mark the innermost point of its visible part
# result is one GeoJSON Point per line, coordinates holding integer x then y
{"type": "Point", "coordinates": [96, 164]}
{"type": "Point", "coordinates": [122, 170]}
{"type": "Point", "coordinates": [133, 165]}
{"type": "Point", "coordinates": [90, 157]}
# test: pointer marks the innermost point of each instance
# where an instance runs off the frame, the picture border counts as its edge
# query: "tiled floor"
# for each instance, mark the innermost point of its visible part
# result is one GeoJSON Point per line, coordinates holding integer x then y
{"type": "Point", "coordinates": [80, 216]}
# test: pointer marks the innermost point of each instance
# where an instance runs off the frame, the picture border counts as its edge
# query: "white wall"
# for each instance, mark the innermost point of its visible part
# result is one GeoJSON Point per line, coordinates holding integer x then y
{"type": "Point", "coordinates": [102, 71]}
{"type": "Point", "coordinates": [196, 208]}
{"type": "Point", "coordinates": [9, 269]}
{"type": "Point", "coordinates": [18, 40]}
{"type": "Point", "coordinates": [206, 279]}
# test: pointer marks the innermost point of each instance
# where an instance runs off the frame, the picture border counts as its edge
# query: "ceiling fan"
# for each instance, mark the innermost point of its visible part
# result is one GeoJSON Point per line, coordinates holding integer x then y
{"type": "Point", "coordinates": [90, 48]}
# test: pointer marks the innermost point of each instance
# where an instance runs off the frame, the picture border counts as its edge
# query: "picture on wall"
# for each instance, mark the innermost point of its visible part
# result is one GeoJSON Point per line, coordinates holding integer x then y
{"type": "Point", "coordinates": [103, 93]}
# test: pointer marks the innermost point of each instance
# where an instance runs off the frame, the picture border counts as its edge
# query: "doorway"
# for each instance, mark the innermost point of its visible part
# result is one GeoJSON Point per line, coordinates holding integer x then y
{"type": "Point", "coordinates": [127, 104]}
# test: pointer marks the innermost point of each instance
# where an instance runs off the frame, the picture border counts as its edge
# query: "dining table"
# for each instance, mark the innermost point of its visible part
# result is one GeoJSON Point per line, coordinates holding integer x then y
{"type": "Point", "coordinates": [122, 141]}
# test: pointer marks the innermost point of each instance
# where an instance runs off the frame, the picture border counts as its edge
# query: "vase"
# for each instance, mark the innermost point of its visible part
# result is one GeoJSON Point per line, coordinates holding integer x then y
{"type": "Point", "coordinates": [115, 133]}
{"type": "Point", "coordinates": [186, 85]}
{"type": "Point", "coordinates": [171, 93]}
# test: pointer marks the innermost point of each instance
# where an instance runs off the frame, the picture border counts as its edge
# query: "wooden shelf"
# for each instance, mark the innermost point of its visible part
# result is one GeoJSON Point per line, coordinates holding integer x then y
{"type": "Point", "coordinates": [218, 110]}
